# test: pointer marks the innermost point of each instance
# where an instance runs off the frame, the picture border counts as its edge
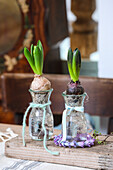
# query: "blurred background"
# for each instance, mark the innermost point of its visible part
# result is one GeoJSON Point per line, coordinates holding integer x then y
{"type": "Point", "coordinates": [59, 24]}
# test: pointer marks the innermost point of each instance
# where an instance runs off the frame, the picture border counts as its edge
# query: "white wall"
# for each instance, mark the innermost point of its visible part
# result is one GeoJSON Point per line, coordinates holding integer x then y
{"type": "Point", "coordinates": [105, 30]}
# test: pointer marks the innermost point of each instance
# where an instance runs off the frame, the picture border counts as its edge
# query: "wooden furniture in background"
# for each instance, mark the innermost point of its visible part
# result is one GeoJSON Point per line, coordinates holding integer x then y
{"type": "Point", "coordinates": [15, 95]}
{"type": "Point", "coordinates": [37, 19]}
{"type": "Point", "coordinates": [96, 157]}
{"type": "Point", "coordinates": [7, 116]}
{"type": "Point", "coordinates": [84, 35]}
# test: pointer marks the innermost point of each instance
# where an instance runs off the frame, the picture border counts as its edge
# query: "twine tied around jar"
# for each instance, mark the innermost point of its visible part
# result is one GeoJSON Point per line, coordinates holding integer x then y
{"type": "Point", "coordinates": [43, 106]}
{"type": "Point", "coordinates": [67, 112]}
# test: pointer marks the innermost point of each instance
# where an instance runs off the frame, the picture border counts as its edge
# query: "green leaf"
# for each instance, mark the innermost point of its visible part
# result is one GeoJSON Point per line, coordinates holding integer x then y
{"type": "Point", "coordinates": [76, 63]}
{"type": "Point", "coordinates": [29, 59]}
{"type": "Point", "coordinates": [38, 60]}
{"type": "Point", "coordinates": [39, 44]}
{"type": "Point", "coordinates": [32, 48]}
{"type": "Point", "coordinates": [35, 59]}
{"type": "Point", "coordinates": [69, 62]}
{"type": "Point", "coordinates": [100, 142]}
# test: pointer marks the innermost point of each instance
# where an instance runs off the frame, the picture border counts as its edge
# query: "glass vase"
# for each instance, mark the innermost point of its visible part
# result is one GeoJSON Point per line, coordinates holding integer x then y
{"type": "Point", "coordinates": [40, 98]}
{"type": "Point", "coordinates": [74, 125]}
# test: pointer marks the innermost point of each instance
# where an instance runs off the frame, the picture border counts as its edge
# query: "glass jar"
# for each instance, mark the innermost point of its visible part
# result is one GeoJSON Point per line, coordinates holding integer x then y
{"type": "Point", "coordinates": [74, 125]}
{"type": "Point", "coordinates": [40, 98]}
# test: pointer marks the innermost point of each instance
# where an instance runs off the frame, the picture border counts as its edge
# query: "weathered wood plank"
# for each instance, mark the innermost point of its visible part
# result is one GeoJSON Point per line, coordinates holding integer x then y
{"type": "Point", "coordinates": [97, 157]}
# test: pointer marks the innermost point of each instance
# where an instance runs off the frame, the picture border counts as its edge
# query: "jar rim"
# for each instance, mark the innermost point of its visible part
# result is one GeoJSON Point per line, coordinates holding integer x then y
{"type": "Point", "coordinates": [73, 95]}
{"type": "Point", "coordinates": [40, 91]}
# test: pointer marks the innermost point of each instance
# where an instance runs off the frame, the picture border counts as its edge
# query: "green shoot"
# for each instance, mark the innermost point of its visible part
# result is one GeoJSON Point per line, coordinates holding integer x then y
{"type": "Point", "coordinates": [74, 64]}
{"type": "Point", "coordinates": [35, 58]}
{"type": "Point", "coordinates": [69, 62]}
{"type": "Point", "coordinates": [29, 59]}
{"type": "Point", "coordinates": [38, 60]}
{"type": "Point", "coordinates": [32, 48]}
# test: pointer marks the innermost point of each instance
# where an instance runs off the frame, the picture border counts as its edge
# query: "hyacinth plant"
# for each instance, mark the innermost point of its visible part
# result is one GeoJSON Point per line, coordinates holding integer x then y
{"type": "Point", "coordinates": [35, 60]}
{"type": "Point", "coordinates": [74, 87]}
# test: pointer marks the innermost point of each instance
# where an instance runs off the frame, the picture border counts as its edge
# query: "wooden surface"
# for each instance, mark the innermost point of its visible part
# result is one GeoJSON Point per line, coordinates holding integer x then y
{"type": "Point", "coordinates": [96, 157]}
{"type": "Point", "coordinates": [16, 97]}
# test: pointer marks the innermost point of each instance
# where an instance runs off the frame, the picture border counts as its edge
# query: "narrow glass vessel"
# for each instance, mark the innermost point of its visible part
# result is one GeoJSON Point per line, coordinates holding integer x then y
{"type": "Point", "coordinates": [74, 125]}
{"type": "Point", "coordinates": [40, 98]}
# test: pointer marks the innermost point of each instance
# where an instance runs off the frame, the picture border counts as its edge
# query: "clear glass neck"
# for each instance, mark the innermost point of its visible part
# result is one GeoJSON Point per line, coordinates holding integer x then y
{"type": "Point", "coordinates": [40, 97]}
{"type": "Point", "coordinates": [74, 100]}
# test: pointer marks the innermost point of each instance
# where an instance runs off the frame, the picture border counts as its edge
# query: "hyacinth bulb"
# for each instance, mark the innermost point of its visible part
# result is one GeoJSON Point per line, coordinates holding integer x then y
{"type": "Point", "coordinates": [40, 83]}
{"type": "Point", "coordinates": [74, 65]}
{"type": "Point", "coordinates": [35, 60]}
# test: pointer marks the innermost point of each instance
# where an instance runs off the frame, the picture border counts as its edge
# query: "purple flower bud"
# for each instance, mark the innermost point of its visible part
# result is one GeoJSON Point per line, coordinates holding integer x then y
{"type": "Point", "coordinates": [92, 141]}
{"type": "Point", "coordinates": [67, 143]}
{"type": "Point", "coordinates": [75, 146]}
{"type": "Point", "coordinates": [87, 143]}
{"type": "Point", "coordinates": [63, 143]}
{"type": "Point", "coordinates": [72, 143]}
{"type": "Point", "coordinates": [89, 137]}
{"type": "Point", "coordinates": [56, 144]}
{"type": "Point", "coordinates": [77, 138]}
{"type": "Point", "coordinates": [60, 144]}
{"type": "Point", "coordinates": [80, 144]}
{"type": "Point", "coordinates": [83, 136]}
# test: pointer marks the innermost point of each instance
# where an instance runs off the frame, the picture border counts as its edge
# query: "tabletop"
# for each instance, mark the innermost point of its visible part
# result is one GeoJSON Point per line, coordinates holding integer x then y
{"type": "Point", "coordinates": [96, 157]}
